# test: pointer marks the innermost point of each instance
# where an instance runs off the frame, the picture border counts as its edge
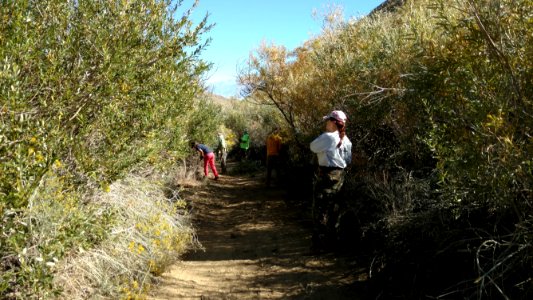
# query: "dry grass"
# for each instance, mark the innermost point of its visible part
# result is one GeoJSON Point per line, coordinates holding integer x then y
{"type": "Point", "coordinates": [150, 232]}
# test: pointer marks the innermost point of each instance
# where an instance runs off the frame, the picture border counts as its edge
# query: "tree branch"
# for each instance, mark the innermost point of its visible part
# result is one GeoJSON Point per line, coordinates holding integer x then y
{"type": "Point", "coordinates": [499, 53]}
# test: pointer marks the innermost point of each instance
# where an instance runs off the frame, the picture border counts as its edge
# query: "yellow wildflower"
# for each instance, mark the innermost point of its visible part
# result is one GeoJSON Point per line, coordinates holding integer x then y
{"type": "Point", "coordinates": [39, 157]}
{"type": "Point", "coordinates": [131, 246]}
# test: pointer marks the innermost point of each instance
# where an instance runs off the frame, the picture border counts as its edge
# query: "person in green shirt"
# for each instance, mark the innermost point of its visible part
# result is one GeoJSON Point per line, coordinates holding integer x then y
{"type": "Point", "coordinates": [244, 144]}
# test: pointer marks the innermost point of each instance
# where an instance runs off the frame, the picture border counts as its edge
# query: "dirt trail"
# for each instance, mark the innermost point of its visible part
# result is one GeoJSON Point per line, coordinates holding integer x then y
{"type": "Point", "coordinates": [255, 248]}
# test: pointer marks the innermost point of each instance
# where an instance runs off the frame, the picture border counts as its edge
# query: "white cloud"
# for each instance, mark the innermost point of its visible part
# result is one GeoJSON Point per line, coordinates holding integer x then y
{"type": "Point", "coordinates": [223, 84]}
{"type": "Point", "coordinates": [227, 90]}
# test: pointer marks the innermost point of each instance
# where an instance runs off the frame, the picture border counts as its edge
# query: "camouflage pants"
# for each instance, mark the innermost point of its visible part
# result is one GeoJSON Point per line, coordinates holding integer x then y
{"type": "Point", "coordinates": [222, 156]}
{"type": "Point", "coordinates": [327, 184]}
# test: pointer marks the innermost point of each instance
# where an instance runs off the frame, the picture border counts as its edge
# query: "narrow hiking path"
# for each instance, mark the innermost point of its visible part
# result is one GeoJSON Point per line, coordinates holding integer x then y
{"type": "Point", "coordinates": [255, 248]}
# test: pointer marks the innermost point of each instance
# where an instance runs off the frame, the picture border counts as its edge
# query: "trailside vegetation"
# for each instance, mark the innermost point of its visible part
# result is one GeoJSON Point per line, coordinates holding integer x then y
{"type": "Point", "coordinates": [438, 95]}
{"type": "Point", "coordinates": [89, 92]}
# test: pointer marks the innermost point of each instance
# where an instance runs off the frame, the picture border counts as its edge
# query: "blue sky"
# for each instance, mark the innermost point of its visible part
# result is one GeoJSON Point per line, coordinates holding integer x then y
{"type": "Point", "coordinates": [241, 26]}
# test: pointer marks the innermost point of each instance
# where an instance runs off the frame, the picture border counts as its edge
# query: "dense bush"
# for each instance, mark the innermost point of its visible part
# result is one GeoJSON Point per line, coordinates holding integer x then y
{"type": "Point", "coordinates": [438, 95]}
{"type": "Point", "coordinates": [89, 89]}
{"type": "Point", "coordinates": [75, 73]}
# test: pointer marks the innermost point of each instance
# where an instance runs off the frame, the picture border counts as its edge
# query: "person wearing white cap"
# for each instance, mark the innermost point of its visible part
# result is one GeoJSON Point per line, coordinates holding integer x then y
{"type": "Point", "coordinates": [334, 152]}
{"type": "Point", "coordinates": [222, 151]}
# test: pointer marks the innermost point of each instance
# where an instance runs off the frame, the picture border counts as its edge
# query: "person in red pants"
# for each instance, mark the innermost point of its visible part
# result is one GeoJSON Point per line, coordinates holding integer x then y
{"type": "Point", "coordinates": [209, 158]}
{"type": "Point", "coordinates": [273, 147]}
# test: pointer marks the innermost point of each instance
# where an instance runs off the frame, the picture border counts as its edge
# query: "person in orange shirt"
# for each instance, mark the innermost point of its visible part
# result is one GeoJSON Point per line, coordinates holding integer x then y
{"type": "Point", "coordinates": [273, 146]}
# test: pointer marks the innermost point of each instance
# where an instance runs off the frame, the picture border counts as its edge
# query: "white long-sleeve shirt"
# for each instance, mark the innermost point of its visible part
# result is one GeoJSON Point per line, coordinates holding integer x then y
{"type": "Point", "coordinates": [325, 146]}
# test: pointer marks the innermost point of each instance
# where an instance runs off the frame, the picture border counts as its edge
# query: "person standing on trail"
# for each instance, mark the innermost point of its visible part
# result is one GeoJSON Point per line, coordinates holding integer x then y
{"type": "Point", "coordinates": [273, 147]}
{"type": "Point", "coordinates": [222, 151]}
{"type": "Point", "coordinates": [334, 152]}
{"type": "Point", "coordinates": [244, 144]}
{"type": "Point", "coordinates": [208, 156]}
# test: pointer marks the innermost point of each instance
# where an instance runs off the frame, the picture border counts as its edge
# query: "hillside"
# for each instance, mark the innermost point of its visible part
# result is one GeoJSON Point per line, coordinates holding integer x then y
{"type": "Point", "coordinates": [387, 6]}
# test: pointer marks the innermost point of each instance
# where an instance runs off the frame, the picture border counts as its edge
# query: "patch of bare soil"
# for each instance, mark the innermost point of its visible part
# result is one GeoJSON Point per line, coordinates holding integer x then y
{"type": "Point", "coordinates": [256, 247]}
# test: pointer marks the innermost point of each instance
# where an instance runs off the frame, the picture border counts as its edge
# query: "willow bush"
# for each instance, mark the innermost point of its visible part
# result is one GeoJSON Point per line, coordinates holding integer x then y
{"type": "Point", "coordinates": [75, 73]}
{"type": "Point", "coordinates": [88, 89]}
{"type": "Point", "coordinates": [438, 95]}
{"type": "Point", "coordinates": [479, 101]}
{"type": "Point", "coordinates": [203, 125]}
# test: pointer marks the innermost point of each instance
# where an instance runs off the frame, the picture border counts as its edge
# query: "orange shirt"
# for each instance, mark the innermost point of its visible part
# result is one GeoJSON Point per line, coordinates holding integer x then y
{"type": "Point", "coordinates": [273, 144]}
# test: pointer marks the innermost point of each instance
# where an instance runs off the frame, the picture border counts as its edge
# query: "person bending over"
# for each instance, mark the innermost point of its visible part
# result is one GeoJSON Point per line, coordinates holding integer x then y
{"type": "Point", "coordinates": [209, 158]}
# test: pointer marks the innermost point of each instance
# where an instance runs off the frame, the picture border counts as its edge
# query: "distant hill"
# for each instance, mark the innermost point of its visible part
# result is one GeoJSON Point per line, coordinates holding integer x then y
{"type": "Point", "coordinates": [388, 6]}
{"type": "Point", "coordinates": [216, 98]}
{"type": "Point", "coordinates": [220, 100]}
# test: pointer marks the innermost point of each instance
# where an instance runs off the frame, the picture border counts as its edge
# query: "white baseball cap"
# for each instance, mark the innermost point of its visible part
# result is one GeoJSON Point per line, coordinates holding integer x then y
{"type": "Point", "coordinates": [337, 115]}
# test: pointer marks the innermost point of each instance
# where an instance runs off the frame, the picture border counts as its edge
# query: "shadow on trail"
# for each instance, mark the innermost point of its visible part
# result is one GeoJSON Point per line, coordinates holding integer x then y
{"type": "Point", "coordinates": [255, 247]}
{"type": "Point", "coordinates": [241, 220]}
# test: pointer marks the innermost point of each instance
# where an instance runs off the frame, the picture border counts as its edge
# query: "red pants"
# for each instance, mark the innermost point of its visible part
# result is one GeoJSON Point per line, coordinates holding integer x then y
{"type": "Point", "coordinates": [209, 158]}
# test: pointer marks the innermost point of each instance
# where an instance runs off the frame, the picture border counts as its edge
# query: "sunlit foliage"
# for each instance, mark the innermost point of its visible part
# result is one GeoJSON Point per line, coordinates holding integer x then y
{"type": "Point", "coordinates": [88, 90]}
{"type": "Point", "coordinates": [438, 94]}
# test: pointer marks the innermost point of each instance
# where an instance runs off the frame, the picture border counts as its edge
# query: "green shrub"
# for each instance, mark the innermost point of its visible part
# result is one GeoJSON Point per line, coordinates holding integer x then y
{"type": "Point", "coordinates": [98, 85]}
{"type": "Point", "coordinates": [90, 91]}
